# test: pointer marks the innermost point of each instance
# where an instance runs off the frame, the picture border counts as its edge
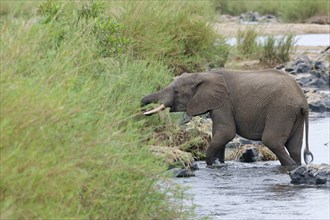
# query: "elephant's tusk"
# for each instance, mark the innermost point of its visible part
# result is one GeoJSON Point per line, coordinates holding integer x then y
{"type": "Point", "coordinates": [158, 109]}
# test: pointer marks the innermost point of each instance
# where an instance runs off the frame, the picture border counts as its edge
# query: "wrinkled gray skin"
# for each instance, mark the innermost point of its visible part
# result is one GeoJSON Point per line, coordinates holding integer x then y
{"type": "Point", "coordinates": [267, 106]}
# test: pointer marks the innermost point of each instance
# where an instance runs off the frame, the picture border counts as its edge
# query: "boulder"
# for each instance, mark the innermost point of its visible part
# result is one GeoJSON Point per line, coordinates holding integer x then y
{"type": "Point", "coordinates": [308, 73]}
{"type": "Point", "coordinates": [311, 174]}
{"type": "Point", "coordinates": [250, 155]}
{"type": "Point", "coordinates": [252, 16]}
{"type": "Point", "coordinates": [181, 172]}
{"type": "Point", "coordinates": [194, 166]}
{"type": "Point", "coordinates": [312, 75]}
{"type": "Point", "coordinates": [317, 101]}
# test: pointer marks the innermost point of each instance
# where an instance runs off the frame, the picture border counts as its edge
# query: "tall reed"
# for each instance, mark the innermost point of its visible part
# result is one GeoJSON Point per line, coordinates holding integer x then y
{"type": "Point", "coordinates": [73, 139]}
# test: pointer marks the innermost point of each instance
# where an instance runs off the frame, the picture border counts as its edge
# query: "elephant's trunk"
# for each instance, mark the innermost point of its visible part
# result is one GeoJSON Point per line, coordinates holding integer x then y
{"type": "Point", "coordinates": [152, 98]}
{"type": "Point", "coordinates": [164, 98]}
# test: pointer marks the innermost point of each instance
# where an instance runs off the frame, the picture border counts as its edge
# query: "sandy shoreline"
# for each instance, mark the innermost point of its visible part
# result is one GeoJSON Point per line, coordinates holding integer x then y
{"type": "Point", "coordinates": [230, 29]}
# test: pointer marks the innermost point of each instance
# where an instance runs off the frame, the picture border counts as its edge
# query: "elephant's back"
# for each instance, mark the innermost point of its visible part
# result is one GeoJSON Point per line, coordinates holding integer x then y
{"type": "Point", "coordinates": [267, 81]}
{"type": "Point", "coordinates": [264, 87]}
{"type": "Point", "coordinates": [255, 94]}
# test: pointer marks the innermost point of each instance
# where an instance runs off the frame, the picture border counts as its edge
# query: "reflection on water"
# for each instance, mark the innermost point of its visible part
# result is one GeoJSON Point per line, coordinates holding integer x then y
{"type": "Point", "coordinates": [261, 190]}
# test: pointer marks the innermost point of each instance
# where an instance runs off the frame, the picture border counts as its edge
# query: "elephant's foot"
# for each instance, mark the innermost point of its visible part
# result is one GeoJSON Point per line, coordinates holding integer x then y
{"type": "Point", "coordinates": [216, 163]}
{"type": "Point", "coordinates": [210, 160]}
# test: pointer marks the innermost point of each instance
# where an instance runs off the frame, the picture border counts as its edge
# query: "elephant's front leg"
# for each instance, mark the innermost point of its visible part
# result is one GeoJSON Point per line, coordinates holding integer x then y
{"type": "Point", "coordinates": [221, 136]}
{"type": "Point", "coordinates": [216, 150]}
{"type": "Point", "coordinates": [223, 131]}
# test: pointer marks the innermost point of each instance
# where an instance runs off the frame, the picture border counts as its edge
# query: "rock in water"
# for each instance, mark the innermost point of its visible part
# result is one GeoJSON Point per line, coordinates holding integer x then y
{"type": "Point", "coordinates": [178, 172]}
{"type": "Point", "coordinates": [194, 166]}
{"type": "Point", "coordinates": [311, 174]}
{"type": "Point", "coordinates": [250, 155]}
{"type": "Point", "coordinates": [317, 102]}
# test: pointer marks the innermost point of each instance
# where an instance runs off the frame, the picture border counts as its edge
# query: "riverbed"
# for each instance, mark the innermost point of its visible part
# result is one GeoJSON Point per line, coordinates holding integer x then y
{"type": "Point", "coordinates": [262, 190]}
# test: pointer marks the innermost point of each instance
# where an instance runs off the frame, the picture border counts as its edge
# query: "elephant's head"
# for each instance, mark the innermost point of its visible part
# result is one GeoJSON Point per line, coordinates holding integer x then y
{"type": "Point", "coordinates": [192, 93]}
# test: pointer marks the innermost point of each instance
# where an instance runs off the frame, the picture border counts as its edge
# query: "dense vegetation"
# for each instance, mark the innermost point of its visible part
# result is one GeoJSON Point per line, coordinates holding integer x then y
{"type": "Point", "coordinates": [73, 141]}
{"type": "Point", "coordinates": [286, 10]}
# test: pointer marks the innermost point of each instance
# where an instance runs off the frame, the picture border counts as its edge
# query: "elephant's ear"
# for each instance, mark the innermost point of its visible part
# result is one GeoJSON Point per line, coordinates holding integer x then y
{"type": "Point", "coordinates": [210, 92]}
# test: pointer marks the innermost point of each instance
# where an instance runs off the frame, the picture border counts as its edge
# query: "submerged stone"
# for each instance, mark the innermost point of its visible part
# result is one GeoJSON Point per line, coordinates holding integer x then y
{"type": "Point", "coordinates": [183, 172]}
{"type": "Point", "coordinates": [311, 174]}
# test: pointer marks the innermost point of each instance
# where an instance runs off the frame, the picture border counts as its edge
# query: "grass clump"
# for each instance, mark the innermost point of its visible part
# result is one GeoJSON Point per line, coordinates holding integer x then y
{"type": "Point", "coordinates": [269, 50]}
{"type": "Point", "coordinates": [277, 50]}
{"type": "Point", "coordinates": [178, 34]}
{"type": "Point", "coordinates": [90, 9]}
{"type": "Point", "coordinates": [109, 34]}
{"type": "Point", "coordinates": [49, 10]}
{"type": "Point", "coordinates": [247, 44]}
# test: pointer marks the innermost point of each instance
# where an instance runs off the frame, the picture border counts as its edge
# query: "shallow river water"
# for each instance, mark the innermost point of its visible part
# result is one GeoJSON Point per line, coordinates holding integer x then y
{"type": "Point", "coordinates": [262, 190]}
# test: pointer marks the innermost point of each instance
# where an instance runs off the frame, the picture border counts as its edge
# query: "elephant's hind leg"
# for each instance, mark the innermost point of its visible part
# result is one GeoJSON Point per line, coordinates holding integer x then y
{"type": "Point", "coordinates": [294, 143]}
{"type": "Point", "coordinates": [275, 135]}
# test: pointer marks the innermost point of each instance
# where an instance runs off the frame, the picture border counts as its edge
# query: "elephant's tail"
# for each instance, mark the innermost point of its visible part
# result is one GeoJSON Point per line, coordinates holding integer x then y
{"type": "Point", "coordinates": [307, 153]}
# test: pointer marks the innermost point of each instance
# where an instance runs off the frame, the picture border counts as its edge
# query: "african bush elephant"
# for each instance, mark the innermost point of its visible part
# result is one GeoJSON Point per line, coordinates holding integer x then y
{"type": "Point", "coordinates": [266, 105]}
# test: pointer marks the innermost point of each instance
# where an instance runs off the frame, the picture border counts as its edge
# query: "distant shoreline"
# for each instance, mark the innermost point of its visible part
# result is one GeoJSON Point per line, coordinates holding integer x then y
{"type": "Point", "coordinates": [229, 29]}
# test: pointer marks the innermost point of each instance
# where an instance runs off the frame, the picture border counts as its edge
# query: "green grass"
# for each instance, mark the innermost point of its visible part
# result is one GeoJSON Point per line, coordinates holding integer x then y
{"type": "Point", "coordinates": [285, 10]}
{"type": "Point", "coordinates": [247, 44]}
{"type": "Point", "coordinates": [270, 51]}
{"type": "Point", "coordinates": [73, 139]}
{"type": "Point", "coordinates": [70, 131]}
{"type": "Point", "coordinates": [178, 34]}
{"type": "Point", "coordinates": [277, 51]}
